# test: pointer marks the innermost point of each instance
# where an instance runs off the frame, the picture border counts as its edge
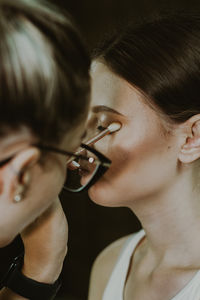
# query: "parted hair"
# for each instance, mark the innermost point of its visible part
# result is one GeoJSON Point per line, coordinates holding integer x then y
{"type": "Point", "coordinates": [44, 70]}
{"type": "Point", "coordinates": [160, 57]}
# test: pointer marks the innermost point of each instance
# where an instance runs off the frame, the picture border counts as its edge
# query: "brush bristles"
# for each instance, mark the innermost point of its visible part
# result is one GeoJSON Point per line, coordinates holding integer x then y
{"type": "Point", "coordinates": [114, 127]}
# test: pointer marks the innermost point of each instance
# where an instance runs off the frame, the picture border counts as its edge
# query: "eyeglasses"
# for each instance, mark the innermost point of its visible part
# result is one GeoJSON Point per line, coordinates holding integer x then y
{"type": "Point", "coordinates": [83, 170]}
{"type": "Point", "coordinates": [85, 166]}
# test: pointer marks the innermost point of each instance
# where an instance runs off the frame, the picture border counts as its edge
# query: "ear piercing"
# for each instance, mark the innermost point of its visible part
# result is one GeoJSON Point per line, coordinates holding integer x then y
{"type": "Point", "coordinates": [19, 193]}
{"type": "Point", "coordinates": [17, 198]}
{"type": "Point", "coordinates": [21, 187]}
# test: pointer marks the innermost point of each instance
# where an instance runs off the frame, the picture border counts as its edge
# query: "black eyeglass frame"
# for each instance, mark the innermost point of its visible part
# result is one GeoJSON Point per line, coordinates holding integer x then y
{"type": "Point", "coordinates": [103, 163]}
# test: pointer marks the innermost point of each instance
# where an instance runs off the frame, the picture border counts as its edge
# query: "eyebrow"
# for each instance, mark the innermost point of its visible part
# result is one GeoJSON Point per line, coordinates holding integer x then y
{"type": "Point", "coordinates": [103, 108]}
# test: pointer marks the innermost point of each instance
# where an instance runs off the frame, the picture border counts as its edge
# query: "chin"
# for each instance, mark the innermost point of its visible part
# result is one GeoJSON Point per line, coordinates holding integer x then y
{"type": "Point", "coordinates": [5, 241]}
{"type": "Point", "coordinates": [103, 195]}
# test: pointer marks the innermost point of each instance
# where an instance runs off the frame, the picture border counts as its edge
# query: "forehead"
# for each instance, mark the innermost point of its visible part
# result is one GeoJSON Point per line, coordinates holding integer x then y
{"type": "Point", "coordinates": [113, 91]}
{"type": "Point", "coordinates": [105, 85]}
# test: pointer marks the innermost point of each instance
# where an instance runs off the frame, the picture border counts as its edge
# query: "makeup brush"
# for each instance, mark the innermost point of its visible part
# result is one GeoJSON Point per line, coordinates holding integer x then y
{"type": "Point", "coordinates": [113, 127]}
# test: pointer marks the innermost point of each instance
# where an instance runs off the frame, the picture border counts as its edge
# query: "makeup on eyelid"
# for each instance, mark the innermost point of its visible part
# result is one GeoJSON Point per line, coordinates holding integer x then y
{"type": "Point", "coordinates": [113, 127]}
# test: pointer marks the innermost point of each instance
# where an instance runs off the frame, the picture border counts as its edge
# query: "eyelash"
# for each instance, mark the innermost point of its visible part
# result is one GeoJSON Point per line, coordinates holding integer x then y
{"type": "Point", "coordinates": [101, 128]}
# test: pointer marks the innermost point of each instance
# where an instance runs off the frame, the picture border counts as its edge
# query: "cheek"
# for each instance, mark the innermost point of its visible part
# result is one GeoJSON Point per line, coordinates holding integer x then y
{"type": "Point", "coordinates": [121, 158]}
{"type": "Point", "coordinates": [49, 184]}
{"type": "Point", "coordinates": [139, 168]}
{"type": "Point", "coordinates": [41, 193]}
{"type": "Point", "coordinates": [130, 152]}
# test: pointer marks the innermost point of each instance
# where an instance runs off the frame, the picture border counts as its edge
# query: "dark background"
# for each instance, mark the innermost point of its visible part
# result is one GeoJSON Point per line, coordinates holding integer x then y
{"type": "Point", "coordinates": [92, 227]}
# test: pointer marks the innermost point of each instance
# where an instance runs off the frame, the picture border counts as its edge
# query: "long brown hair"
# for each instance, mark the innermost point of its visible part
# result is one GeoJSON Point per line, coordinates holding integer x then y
{"type": "Point", "coordinates": [161, 57]}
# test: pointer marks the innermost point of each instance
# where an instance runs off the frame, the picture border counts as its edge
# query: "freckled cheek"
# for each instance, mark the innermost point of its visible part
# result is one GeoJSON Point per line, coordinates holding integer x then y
{"type": "Point", "coordinates": [121, 156]}
{"type": "Point", "coordinates": [133, 153]}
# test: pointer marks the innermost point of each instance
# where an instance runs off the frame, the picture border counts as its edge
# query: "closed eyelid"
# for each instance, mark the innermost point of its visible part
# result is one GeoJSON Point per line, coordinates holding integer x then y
{"type": "Point", "coordinates": [100, 127]}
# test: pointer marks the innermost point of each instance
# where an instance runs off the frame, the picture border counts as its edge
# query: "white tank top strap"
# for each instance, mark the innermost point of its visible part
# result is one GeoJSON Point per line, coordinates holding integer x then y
{"type": "Point", "coordinates": [115, 287]}
{"type": "Point", "coordinates": [191, 291]}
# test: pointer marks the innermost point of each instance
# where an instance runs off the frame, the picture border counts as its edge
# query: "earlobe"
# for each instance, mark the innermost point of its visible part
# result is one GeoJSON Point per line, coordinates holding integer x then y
{"type": "Point", "coordinates": [22, 186]}
{"type": "Point", "coordinates": [20, 172]}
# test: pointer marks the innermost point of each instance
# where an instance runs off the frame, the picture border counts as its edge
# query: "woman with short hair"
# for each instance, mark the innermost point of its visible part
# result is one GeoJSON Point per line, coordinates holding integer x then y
{"type": "Point", "coordinates": [44, 99]}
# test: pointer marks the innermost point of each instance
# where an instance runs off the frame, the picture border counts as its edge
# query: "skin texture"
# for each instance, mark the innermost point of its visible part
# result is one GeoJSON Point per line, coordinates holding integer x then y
{"type": "Point", "coordinates": [153, 172]}
{"type": "Point", "coordinates": [139, 148]}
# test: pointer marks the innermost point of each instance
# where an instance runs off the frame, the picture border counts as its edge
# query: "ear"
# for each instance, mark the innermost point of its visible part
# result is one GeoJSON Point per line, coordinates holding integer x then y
{"type": "Point", "coordinates": [16, 176]}
{"type": "Point", "coordinates": [190, 150]}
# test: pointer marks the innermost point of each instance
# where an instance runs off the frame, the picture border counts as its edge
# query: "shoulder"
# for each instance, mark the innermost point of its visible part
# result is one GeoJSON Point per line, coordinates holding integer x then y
{"type": "Point", "coordinates": [102, 268]}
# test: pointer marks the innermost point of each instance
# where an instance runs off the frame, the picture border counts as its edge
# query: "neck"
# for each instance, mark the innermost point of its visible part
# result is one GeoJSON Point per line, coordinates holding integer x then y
{"type": "Point", "coordinates": [171, 220]}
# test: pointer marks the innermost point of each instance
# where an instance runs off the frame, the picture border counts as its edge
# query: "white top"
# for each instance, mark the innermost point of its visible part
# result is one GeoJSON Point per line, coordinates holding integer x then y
{"type": "Point", "coordinates": [115, 287]}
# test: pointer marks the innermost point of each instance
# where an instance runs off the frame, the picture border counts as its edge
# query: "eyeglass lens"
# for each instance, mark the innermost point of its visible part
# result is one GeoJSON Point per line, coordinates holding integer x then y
{"type": "Point", "coordinates": [80, 171]}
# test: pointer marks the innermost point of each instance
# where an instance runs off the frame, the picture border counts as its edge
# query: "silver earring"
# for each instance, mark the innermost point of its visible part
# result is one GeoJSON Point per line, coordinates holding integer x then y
{"type": "Point", "coordinates": [21, 188]}
{"type": "Point", "coordinates": [19, 193]}
{"type": "Point", "coordinates": [17, 198]}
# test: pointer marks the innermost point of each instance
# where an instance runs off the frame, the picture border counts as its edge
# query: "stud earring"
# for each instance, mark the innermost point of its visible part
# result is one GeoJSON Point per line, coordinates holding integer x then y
{"type": "Point", "coordinates": [17, 198]}
{"type": "Point", "coordinates": [19, 193]}
{"type": "Point", "coordinates": [24, 179]}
